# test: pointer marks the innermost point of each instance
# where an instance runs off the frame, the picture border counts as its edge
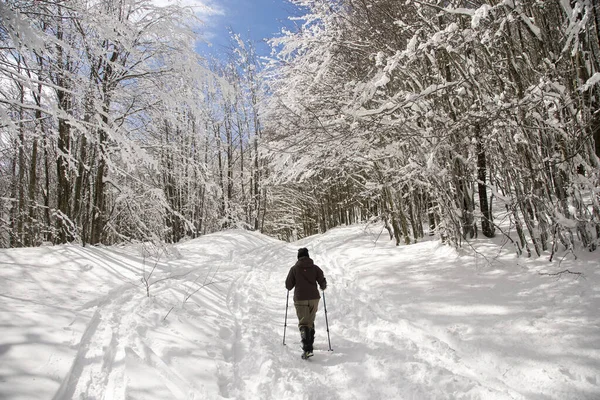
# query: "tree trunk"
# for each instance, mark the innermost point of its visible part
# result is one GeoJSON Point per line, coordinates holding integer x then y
{"type": "Point", "coordinates": [63, 192]}
{"type": "Point", "coordinates": [98, 205]}
{"type": "Point", "coordinates": [487, 226]}
{"type": "Point", "coordinates": [229, 138]}
{"type": "Point", "coordinates": [22, 206]}
{"type": "Point", "coordinates": [14, 240]}
{"type": "Point", "coordinates": [256, 174]}
{"type": "Point", "coordinates": [222, 183]}
{"type": "Point", "coordinates": [31, 234]}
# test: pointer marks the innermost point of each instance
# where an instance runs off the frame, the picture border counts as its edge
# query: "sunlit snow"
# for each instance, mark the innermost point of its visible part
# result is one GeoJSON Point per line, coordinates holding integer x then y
{"type": "Point", "coordinates": [412, 322]}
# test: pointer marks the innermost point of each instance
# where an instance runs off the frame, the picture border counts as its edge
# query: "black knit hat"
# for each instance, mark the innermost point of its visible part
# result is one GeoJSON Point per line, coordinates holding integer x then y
{"type": "Point", "coordinates": [303, 252]}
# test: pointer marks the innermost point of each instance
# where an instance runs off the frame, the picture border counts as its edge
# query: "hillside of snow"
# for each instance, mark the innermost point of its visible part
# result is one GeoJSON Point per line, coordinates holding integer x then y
{"type": "Point", "coordinates": [411, 322]}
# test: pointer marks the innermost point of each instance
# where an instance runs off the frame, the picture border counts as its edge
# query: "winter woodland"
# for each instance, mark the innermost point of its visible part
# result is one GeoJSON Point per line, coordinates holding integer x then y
{"type": "Point", "coordinates": [450, 118]}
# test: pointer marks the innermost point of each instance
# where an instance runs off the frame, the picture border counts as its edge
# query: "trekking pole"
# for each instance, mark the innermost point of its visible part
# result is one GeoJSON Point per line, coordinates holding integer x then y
{"type": "Point", "coordinates": [326, 322]}
{"type": "Point", "coordinates": [285, 322]}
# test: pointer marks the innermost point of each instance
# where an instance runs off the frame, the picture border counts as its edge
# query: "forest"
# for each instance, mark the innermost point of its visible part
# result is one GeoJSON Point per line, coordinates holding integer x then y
{"type": "Point", "coordinates": [452, 118]}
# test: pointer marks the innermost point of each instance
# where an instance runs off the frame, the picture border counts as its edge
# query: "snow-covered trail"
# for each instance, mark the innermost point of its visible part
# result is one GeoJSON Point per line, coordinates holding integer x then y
{"type": "Point", "coordinates": [377, 353]}
{"type": "Point", "coordinates": [408, 322]}
{"type": "Point", "coordinates": [412, 322]}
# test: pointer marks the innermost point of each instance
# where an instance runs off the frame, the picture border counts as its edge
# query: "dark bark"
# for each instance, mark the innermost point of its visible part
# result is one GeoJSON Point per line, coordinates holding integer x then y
{"type": "Point", "coordinates": [31, 234]}
{"type": "Point", "coordinates": [487, 227]}
{"type": "Point", "coordinates": [14, 240]}
{"type": "Point", "coordinates": [98, 204]}
{"type": "Point", "coordinates": [46, 191]}
{"type": "Point", "coordinates": [63, 95]}
{"type": "Point", "coordinates": [22, 206]}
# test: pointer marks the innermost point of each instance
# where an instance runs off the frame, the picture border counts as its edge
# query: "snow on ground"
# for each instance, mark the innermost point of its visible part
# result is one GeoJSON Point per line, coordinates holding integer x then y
{"type": "Point", "coordinates": [411, 322]}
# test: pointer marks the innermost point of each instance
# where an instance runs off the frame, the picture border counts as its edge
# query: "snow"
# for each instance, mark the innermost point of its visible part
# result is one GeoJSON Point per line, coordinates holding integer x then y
{"type": "Point", "coordinates": [479, 14]}
{"type": "Point", "coordinates": [535, 30]}
{"type": "Point", "coordinates": [383, 80]}
{"type": "Point", "coordinates": [422, 321]}
{"type": "Point", "coordinates": [594, 79]}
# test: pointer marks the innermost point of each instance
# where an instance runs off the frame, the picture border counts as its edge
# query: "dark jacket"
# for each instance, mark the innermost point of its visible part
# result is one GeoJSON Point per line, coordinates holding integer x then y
{"type": "Point", "coordinates": [304, 276]}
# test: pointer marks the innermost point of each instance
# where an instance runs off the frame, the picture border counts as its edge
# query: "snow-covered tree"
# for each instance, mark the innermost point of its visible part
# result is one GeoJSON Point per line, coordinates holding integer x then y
{"type": "Point", "coordinates": [426, 104]}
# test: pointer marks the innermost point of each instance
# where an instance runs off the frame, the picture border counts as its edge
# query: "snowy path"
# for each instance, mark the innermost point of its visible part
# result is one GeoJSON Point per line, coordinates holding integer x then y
{"type": "Point", "coordinates": [377, 353]}
{"type": "Point", "coordinates": [409, 322]}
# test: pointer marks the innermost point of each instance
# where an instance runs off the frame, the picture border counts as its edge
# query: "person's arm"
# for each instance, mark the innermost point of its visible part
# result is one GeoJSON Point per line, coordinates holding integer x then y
{"type": "Point", "coordinates": [321, 279]}
{"type": "Point", "coordinates": [290, 281]}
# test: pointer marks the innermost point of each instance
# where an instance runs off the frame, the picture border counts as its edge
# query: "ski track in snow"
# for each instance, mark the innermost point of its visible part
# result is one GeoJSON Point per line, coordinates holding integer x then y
{"type": "Point", "coordinates": [98, 366]}
{"type": "Point", "coordinates": [113, 342]}
{"type": "Point", "coordinates": [407, 322]}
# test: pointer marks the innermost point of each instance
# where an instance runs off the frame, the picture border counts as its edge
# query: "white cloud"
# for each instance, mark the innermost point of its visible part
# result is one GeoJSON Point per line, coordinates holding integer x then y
{"type": "Point", "coordinates": [209, 12]}
{"type": "Point", "coordinates": [202, 8]}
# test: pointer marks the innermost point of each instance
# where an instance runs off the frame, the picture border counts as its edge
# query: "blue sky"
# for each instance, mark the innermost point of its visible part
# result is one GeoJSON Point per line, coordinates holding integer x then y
{"type": "Point", "coordinates": [256, 19]}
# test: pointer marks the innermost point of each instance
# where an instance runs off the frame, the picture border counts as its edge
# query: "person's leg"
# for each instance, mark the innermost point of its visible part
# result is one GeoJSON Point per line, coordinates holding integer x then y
{"type": "Point", "coordinates": [303, 311]}
{"type": "Point", "coordinates": [313, 306]}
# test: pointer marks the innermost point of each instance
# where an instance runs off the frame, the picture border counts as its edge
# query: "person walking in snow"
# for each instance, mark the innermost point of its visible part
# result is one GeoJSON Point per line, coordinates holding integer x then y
{"type": "Point", "coordinates": [304, 277]}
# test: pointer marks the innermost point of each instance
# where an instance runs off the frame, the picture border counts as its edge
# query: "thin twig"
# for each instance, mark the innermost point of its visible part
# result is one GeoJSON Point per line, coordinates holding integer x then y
{"type": "Point", "coordinates": [566, 271]}
{"type": "Point", "coordinates": [168, 313]}
{"type": "Point", "coordinates": [204, 285]}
